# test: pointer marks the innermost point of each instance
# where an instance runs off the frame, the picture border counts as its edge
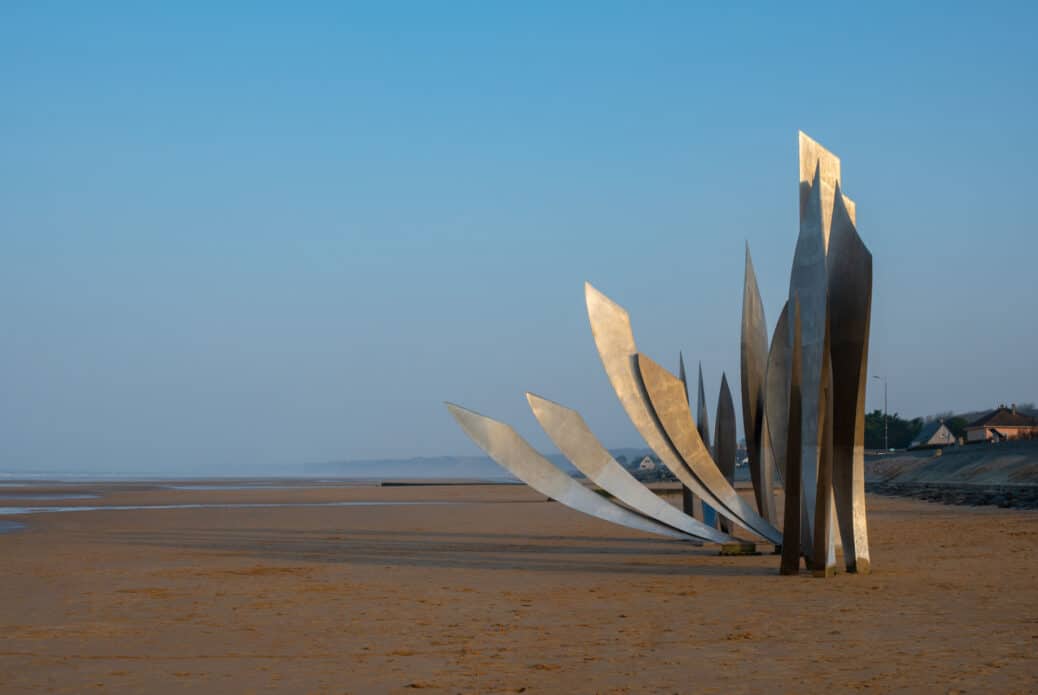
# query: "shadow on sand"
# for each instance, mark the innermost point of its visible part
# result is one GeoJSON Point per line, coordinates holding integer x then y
{"type": "Point", "coordinates": [438, 549]}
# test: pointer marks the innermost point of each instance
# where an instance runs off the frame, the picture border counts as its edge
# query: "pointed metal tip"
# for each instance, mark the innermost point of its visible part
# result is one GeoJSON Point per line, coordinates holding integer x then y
{"type": "Point", "coordinates": [534, 400]}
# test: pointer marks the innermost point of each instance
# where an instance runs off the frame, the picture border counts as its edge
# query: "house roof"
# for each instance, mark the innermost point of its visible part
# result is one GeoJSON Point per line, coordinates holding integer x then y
{"type": "Point", "coordinates": [1003, 417]}
{"type": "Point", "coordinates": [928, 431]}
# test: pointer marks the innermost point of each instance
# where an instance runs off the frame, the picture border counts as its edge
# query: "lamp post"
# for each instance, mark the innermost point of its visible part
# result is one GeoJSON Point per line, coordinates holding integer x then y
{"type": "Point", "coordinates": [886, 418]}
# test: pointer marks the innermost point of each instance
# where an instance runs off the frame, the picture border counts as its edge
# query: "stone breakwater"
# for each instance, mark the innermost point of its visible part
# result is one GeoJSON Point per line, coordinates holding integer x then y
{"type": "Point", "coordinates": [1000, 475]}
{"type": "Point", "coordinates": [1005, 496]}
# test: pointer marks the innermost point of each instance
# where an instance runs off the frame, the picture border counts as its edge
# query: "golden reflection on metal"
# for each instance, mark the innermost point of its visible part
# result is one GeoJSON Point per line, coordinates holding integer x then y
{"type": "Point", "coordinates": [570, 433]}
{"type": "Point", "coordinates": [611, 328]}
{"type": "Point", "coordinates": [850, 307]}
{"type": "Point", "coordinates": [674, 416]}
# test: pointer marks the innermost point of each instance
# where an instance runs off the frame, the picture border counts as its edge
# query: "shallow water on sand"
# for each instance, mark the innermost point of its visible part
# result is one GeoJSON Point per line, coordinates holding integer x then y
{"type": "Point", "coordinates": [54, 496]}
{"type": "Point", "coordinates": [11, 511]}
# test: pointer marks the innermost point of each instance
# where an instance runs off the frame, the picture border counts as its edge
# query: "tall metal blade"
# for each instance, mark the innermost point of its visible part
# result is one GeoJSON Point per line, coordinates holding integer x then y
{"type": "Point", "coordinates": [816, 160]}
{"type": "Point", "coordinates": [578, 444]}
{"type": "Point", "coordinates": [776, 391]}
{"type": "Point", "coordinates": [710, 517]}
{"type": "Point", "coordinates": [508, 449]}
{"type": "Point", "coordinates": [850, 308]}
{"type": "Point", "coordinates": [724, 436]}
{"type": "Point", "coordinates": [753, 357]}
{"type": "Point", "coordinates": [688, 500]}
{"type": "Point", "coordinates": [702, 415]}
{"type": "Point", "coordinates": [664, 392]}
{"type": "Point", "coordinates": [808, 283]}
{"type": "Point", "coordinates": [791, 476]}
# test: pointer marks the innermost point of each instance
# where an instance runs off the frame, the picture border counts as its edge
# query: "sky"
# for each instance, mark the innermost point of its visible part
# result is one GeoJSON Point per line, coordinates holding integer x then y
{"type": "Point", "coordinates": [259, 234]}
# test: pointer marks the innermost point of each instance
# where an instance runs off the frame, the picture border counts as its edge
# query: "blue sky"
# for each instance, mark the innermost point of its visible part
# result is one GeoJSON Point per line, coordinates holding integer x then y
{"type": "Point", "coordinates": [265, 234]}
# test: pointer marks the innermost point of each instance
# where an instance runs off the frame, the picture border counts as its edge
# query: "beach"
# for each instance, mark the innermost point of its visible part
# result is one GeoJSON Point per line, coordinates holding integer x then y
{"type": "Point", "coordinates": [489, 588]}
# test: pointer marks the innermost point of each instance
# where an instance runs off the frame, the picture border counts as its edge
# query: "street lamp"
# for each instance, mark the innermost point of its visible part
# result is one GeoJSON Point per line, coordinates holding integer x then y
{"type": "Point", "coordinates": [886, 419]}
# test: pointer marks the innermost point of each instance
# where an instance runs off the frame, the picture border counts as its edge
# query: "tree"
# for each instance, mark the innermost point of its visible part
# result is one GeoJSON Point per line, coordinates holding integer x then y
{"type": "Point", "coordinates": [901, 432]}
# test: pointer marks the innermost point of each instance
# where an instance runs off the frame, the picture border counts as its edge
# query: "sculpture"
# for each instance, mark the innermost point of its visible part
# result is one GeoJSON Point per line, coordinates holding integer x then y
{"type": "Point", "coordinates": [803, 400]}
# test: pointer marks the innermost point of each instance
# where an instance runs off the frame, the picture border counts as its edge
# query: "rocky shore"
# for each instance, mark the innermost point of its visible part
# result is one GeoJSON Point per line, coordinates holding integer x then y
{"type": "Point", "coordinates": [1000, 475]}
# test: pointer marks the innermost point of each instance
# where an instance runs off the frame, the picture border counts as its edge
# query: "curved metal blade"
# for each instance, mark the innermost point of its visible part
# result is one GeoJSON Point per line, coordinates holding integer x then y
{"type": "Point", "coordinates": [753, 359]}
{"type": "Point", "coordinates": [508, 449]}
{"type": "Point", "coordinates": [577, 443]}
{"type": "Point", "coordinates": [850, 307]}
{"type": "Point", "coordinates": [776, 391]}
{"type": "Point", "coordinates": [664, 392]}
{"type": "Point", "coordinates": [808, 284]}
{"type": "Point", "coordinates": [724, 436]}
{"type": "Point", "coordinates": [611, 327]}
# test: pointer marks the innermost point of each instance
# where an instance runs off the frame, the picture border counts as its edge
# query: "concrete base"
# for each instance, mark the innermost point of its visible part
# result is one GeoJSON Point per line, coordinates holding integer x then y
{"type": "Point", "coordinates": [739, 549]}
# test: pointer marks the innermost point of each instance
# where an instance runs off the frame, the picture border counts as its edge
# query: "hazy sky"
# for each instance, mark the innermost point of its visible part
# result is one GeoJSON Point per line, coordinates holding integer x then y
{"type": "Point", "coordinates": [265, 234]}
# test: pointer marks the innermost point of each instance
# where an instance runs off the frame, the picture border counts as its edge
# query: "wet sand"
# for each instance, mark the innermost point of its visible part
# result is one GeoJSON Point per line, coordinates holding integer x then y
{"type": "Point", "coordinates": [500, 592]}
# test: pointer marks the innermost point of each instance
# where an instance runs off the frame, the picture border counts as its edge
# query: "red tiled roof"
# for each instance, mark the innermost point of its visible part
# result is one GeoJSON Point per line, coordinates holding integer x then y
{"type": "Point", "coordinates": [1003, 417]}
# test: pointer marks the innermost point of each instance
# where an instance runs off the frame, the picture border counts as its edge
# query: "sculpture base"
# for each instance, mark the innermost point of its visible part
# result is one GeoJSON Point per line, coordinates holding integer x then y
{"type": "Point", "coordinates": [739, 549]}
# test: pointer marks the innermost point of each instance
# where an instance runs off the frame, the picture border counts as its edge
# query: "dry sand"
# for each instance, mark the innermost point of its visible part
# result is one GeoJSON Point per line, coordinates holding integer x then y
{"type": "Point", "coordinates": [501, 592]}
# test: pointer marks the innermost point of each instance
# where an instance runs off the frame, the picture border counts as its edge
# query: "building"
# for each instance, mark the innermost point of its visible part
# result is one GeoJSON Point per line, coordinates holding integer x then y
{"type": "Point", "coordinates": [934, 434]}
{"type": "Point", "coordinates": [647, 464]}
{"type": "Point", "coordinates": [1001, 424]}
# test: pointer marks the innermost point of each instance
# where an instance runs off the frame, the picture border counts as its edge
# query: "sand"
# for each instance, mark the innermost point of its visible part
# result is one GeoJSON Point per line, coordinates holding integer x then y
{"type": "Point", "coordinates": [498, 591]}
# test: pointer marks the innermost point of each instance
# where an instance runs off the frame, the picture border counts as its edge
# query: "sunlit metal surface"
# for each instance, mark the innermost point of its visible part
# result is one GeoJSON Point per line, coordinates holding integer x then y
{"type": "Point", "coordinates": [577, 443]}
{"type": "Point", "coordinates": [611, 328]}
{"type": "Point", "coordinates": [815, 159]}
{"type": "Point", "coordinates": [508, 449]}
{"type": "Point", "coordinates": [664, 392]}
{"type": "Point", "coordinates": [753, 357]}
{"type": "Point", "coordinates": [850, 307]}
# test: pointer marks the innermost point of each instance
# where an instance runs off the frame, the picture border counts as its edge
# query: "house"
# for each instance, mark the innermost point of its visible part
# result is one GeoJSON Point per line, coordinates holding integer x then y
{"type": "Point", "coordinates": [647, 464]}
{"type": "Point", "coordinates": [1001, 424]}
{"type": "Point", "coordinates": [934, 434]}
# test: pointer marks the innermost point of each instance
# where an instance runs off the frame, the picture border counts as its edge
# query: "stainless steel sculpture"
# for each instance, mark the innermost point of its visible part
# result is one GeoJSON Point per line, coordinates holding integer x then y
{"type": "Point", "coordinates": [809, 285]}
{"type": "Point", "coordinates": [753, 357]}
{"type": "Point", "coordinates": [710, 517]}
{"type": "Point", "coordinates": [803, 399]}
{"type": "Point", "coordinates": [508, 449]}
{"type": "Point", "coordinates": [850, 307]}
{"type": "Point", "coordinates": [791, 475]}
{"type": "Point", "coordinates": [688, 500]}
{"type": "Point", "coordinates": [570, 433]}
{"type": "Point", "coordinates": [611, 328]}
{"type": "Point", "coordinates": [776, 391]}
{"type": "Point", "coordinates": [664, 392]}
{"type": "Point", "coordinates": [724, 437]}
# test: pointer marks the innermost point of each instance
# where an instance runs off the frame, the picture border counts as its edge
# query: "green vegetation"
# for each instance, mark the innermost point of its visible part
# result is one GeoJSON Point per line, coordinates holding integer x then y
{"type": "Point", "coordinates": [901, 431]}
